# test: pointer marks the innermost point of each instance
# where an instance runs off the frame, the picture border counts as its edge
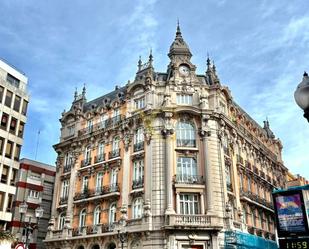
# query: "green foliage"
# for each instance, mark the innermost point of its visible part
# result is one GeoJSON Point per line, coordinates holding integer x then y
{"type": "Point", "coordinates": [6, 236]}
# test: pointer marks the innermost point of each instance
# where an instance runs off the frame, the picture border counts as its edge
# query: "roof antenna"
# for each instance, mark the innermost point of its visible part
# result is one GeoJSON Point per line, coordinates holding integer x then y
{"type": "Point", "coordinates": [37, 144]}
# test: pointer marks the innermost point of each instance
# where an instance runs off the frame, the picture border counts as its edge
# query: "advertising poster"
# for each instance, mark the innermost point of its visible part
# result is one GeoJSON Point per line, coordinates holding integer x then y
{"type": "Point", "coordinates": [291, 215]}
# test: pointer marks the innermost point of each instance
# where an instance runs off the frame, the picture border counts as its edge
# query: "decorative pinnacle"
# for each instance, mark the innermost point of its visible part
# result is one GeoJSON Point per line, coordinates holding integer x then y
{"type": "Point", "coordinates": [75, 93]}
{"type": "Point", "coordinates": [150, 57]}
{"type": "Point", "coordinates": [208, 61]}
{"type": "Point", "coordinates": [305, 74]}
{"type": "Point", "coordinates": [84, 90]}
{"type": "Point", "coordinates": [139, 64]}
{"type": "Point", "coordinates": [178, 32]}
{"type": "Point", "coordinates": [213, 66]}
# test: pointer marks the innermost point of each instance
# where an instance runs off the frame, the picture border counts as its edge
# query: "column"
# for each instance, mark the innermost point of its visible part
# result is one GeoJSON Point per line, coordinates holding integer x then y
{"type": "Point", "coordinates": [69, 214]}
{"type": "Point", "coordinates": [202, 203]}
{"type": "Point", "coordinates": [168, 171]}
{"type": "Point", "coordinates": [209, 189]}
{"type": "Point", "coordinates": [125, 177]}
{"type": "Point", "coordinates": [178, 203]}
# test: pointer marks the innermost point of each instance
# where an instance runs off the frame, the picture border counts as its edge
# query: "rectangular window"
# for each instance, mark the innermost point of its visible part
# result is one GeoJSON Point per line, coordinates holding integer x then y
{"type": "Point", "coordinates": [10, 203]}
{"type": "Point", "coordinates": [1, 145]}
{"type": "Point", "coordinates": [65, 189]}
{"type": "Point", "coordinates": [34, 194]}
{"type": "Point", "coordinates": [8, 98]}
{"type": "Point", "coordinates": [189, 204]}
{"type": "Point", "coordinates": [13, 177]}
{"type": "Point", "coordinates": [4, 121]}
{"type": "Point", "coordinates": [17, 152]}
{"type": "Point", "coordinates": [103, 120]}
{"type": "Point", "coordinates": [24, 108]}
{"type": "Point", "coordinates": [89, 125]}
{"type": "Point", "coordinates": [186, 170]}
{"type": "Point", "coordinates": [12, 80]}
{"type": "Point", "coordinates": [21, 129]}
{"type": "Point", "coordinates": [138, 170]}
{"type": "Point", "coordinates": [17, 102]}
{"type": "Point", "coordinates": [139, 139]}
{"type": "Point", "coordinates": [71, 130]}
{"type": "Point", "coordinates": [2, 195]}
{"type": "Point", "coordinates": [99, 182]}
{"type": "Point", "coordinates": [13, 125]}
{"type": "Point", "coordinates": [184, 99]}
{"type": "Point", "coordinates": [139, 103]}
{"type": "Point", "coordinates": [5, 174]}
{"type": "Point", "coordinates": [85, 184]}
{"type": "Point", "coordinates": [9, 149]}
{"type": "Point", "coordinates": [228, 177]}
{"type": "Point", "coordinates": [1, 93]}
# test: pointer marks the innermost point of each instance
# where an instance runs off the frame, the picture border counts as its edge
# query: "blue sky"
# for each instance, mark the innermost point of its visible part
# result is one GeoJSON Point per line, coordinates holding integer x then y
{"type": "Point", "coordinates": [261, 49]}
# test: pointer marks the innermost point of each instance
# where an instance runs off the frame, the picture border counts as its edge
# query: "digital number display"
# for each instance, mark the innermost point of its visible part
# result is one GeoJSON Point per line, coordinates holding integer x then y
{"type": "Point", "coordinates": [301, 243]}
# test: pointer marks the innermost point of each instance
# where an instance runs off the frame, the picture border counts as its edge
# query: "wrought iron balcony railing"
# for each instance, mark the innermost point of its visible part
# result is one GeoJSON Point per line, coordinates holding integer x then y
{"type": "Point", "coordinates": [99, 158]}
{"type": "Point", "coordinates": [139, 146]}
{"type": "Point", "coordinates": [63, 200]}
{"type": "Point", "coordinates": [114, 153]}
{"type": "Point", "coordinates": [189, 179]}
{"type": "Point", "coordinates": [186, 143]}
{"type": "Point", "coordinates": [85, 162]}
{"type": "Point", "coordinates": [138, 183]}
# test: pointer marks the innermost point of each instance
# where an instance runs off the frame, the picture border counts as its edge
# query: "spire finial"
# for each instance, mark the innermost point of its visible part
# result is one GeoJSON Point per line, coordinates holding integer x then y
{"type": "Point", "coordinates": [213, 66]}
{"type": "Point", "coordinates": [150, 57]}
{"type": "Point", "coordinates": [75, 93]}
{"type": "Point", "coordinates": [208, 61]}
{"type": "Point", "coordinates": [178, 32]}
{"type": "Point", "coordinates": [84, 90]}
{"type": "Point", "coordinates": [139, 64]}
{"type": "Point", "coordinates": [305, 74]}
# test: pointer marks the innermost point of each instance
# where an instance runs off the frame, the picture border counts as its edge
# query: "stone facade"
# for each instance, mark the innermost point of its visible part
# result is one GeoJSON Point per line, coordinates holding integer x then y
{"type": "Point", "coordinates": [167, 161]}
{"type": "Point", "coordinates": [13, 109]}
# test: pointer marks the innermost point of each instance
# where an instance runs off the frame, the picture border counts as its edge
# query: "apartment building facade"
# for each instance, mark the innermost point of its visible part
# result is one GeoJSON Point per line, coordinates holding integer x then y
{"type": "Point", "coordinates": [167, 161]}
{"type": "Point", "coordinates": [13, 109]}
{"type": "Point", "coordinates": [35, 184]}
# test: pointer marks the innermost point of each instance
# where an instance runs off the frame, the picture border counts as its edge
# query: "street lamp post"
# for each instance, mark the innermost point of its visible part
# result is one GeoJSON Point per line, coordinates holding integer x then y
{"type": "Point", "coordinates": [301, 95]}
{"type": "Point", "coordinates": [27, 225]}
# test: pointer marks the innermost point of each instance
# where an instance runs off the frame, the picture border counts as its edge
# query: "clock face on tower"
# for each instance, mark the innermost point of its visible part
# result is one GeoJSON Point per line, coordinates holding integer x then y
{"type": "Point", "coordinates": [184, 70]}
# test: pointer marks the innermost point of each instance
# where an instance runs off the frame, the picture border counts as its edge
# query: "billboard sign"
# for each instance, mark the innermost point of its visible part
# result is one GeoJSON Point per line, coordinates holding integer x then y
{"type": "Point", "coordinates": [290, 213]}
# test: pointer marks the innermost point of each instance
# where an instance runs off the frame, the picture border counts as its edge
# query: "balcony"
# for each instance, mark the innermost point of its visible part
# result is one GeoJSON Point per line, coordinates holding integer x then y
{"type": "Point", "coordinates": [98, 192]}
{"type": "Point", "coordinates": [188, 179]}
{"type": "Point", "coordinates": [63, 200]}
{"type": "Point", "coordinates": [67, 168]}
{"type": "Point", "coordinates": [97, 229]}
{"type": "Point", "coordinates": [139, 146]}
{"type": "Point", "coordinates": [139, 183]}
{"type": "Point", "coordinates": [186, 143]}
{"type": "Point", "coordinates": [256, 198]}
{"type": "Point", "coordinates": [114, 153]}
{"type": "Point", "coordinates": [85, 162]}
{"type": "Point", "coordinates": [99, 158]}
{"type": "Point", "coordinates": [194, 221]}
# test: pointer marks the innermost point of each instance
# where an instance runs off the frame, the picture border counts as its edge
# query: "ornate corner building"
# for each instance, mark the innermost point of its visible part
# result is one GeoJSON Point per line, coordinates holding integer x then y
{"type": "Point", "coordinates": [167, 161]}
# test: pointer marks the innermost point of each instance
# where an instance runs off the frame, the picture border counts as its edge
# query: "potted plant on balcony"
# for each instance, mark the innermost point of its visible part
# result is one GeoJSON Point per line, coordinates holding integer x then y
{"type": "Point", "coordinates": [6, 239]}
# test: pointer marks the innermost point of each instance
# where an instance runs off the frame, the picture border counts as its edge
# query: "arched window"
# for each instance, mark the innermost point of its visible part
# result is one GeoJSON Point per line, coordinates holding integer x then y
{"type": "Point", "coordinates": [112, 213]}
{"type": "Point", "coordinates": [82, 218]}
{"type": "Point", "coordinates": [137, 208]}
{"type": "Point", "coordinates": [61, 221]}
{"type": "Point", "coordinates": [185, 134]}
{"type": "Point", "coordinates": [87, 155]}
{"type": "Point", "coordinates": [96, 215]}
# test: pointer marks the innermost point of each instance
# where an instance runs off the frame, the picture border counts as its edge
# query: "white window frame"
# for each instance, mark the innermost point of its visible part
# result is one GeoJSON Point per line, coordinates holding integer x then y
{"type": "Point", "coordinates": [99, 181]}
{"type": "Point", "coordinates": [114, 177]}
{"type": "Point", "coordinates": [89, 125]}
{"type": "Point", "coordinates": [61, 221]}
{"type": "Point", "coordinates": [186, 168]}
{"type": "Point", "coordinates": [115, 145]}
{"type": "Point", "coordinates": [185, 131]}
{"type": "Point", "coordinates": [85, 183]}
{"type": "Point", "coordinates": [139, 135]}
{"type": "Point", "coordinates": [139, 103]}
{"type": "Point", "coordinates": [101, 149]}
{"type": "Point", "coordinates": [138, 170]}
{"type": "Point", "coordinates": [103, 119]}
{"type": "Point", "coordinates": [184, 99]}
{"type": "Point", "coordinates": [96, 215]}
{"type": "Point", "coordinates": [87, 153]}
{"type": "Point", "coordinates": [137, 208]}
{"type": "Point", "coordinates": [82, 218]}
{"type": "Point", "coordinates": [112, 213]}
{"type": "Point", "coordinates": [68, 159]}
{"type": "Point", "coordinates": [65, 188]}
{"type": "Point", "coordinates": [189, 204]}
{"type": "Point", "coordinates": [34, 194]}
